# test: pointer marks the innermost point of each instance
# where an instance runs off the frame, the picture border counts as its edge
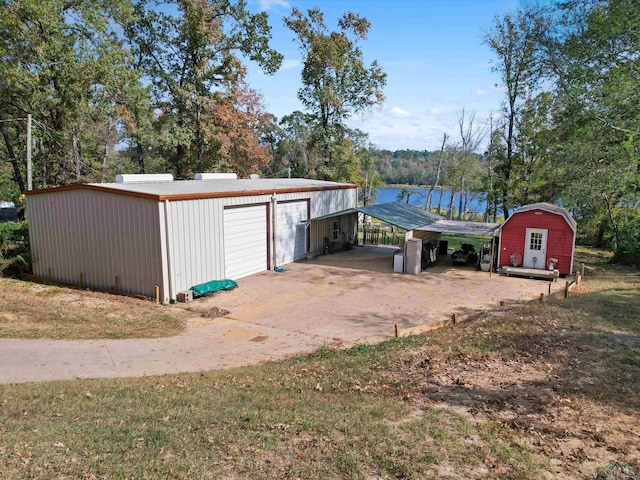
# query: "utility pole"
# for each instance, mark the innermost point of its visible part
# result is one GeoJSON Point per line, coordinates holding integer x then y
{"type": "Point", "coordinates": [29, 167]}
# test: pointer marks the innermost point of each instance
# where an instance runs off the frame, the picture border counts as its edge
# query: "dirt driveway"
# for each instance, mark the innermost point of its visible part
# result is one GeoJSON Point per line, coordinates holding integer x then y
{"type": "Point", "coordinates": [338, 299]}
{"type": "Point", "coordinates": [354, 296]}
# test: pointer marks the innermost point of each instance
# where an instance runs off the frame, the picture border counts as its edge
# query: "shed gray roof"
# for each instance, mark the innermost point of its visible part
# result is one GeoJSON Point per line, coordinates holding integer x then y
{"type": "Point", "coordinates": [400, 214]}
{"type": "Point", "coordinates": [549, 207]}
{"type": "Point", "coordinates": [462, 227]}
{"type": "Point", "coordinates": [194, 189]}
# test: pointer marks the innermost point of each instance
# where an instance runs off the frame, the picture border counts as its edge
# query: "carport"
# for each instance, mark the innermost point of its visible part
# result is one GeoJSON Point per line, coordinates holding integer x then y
{"type": "Point", "coordinates": [402, 215]}
{"type": "Point", "coordinates": [462, 227]}
{"type": "Point", "coordinates": [415, 220]}
{"type": "Point", "coordinates": [427, 226]}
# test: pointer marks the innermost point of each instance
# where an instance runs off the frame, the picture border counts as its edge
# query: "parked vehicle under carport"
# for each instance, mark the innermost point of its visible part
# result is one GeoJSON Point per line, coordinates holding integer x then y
{"type": "Point", "coordinates": [465, 255]}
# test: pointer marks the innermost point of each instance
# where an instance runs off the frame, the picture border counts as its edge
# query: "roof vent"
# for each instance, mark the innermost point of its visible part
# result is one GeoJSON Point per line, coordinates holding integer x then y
{"type": "Point", "coordinates": [216, 176]}
{"type": "Point", "coordinates": [254, 176]}
{"type": "Point", "coordinates": [144, 178]}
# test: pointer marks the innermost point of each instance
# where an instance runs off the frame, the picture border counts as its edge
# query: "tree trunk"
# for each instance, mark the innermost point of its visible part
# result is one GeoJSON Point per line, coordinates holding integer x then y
{"type": "Point", "coordinates": [180, 152]}
{"type": "Point", "coordinates": [199, 142]}
{"type": "Point", "coordinates": [366, 185]}
{"type": "Point", "coordinates": [451, 200]}
{"type": "Point", "coordinates": [437, 178]}
{"type": "Point", "coordinates": [45, 178]}
{"type": "Point", "coordinates": [440, 202]}
{"type": "Point", "coordinates": [77, 157]}
{"type": "Point", "coordinates": [509, 160]}
{"type": "Point", "coordinates": [12, 158]}
{"type": "Point", "coordinates": [614, 225]}
{"type": "Point", "coordinates": [140, 153]}
{"type": "Point", "coordinates": [103, 170]}
{"type": "Point", "coordinates": [490, 194]}
{"type": "Point", "coordinates": [460, 200]}
{"type": "Point", "coordinates": [464, 204]}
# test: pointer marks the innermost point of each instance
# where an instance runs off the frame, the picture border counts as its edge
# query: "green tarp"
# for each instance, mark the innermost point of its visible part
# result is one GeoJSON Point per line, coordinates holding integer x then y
{"type": "Point", "coordinates": [212, 287]}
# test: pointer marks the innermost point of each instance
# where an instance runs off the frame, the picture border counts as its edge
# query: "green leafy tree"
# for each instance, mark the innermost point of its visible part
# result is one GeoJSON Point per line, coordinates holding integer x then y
{"type": "Point", "coordinates": [516, 40]}
{"type": "Point", "coordinates": [294, 153]}
{"type": "Point", "coordinates": [596, 61]}
{"type": "Point", "coordinates": [336, 83]}
{"type": "Point", "coordinates": [192, 59]}
{"type": "Point", "coordinates": [63, 62]}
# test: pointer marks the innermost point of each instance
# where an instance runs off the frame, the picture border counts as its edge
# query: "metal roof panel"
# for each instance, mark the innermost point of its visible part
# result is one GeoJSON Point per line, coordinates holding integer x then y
{"type": "Point", "coordinates": [400, 214]}
{"type": "Point", "coordinates": [194, 189]}
{"type": "Point", "coordinates": [462, 227]}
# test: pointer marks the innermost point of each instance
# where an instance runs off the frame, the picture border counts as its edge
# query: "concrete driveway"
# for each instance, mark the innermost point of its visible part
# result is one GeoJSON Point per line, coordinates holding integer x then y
{"type": "Point", "coordinates": [340, 299]}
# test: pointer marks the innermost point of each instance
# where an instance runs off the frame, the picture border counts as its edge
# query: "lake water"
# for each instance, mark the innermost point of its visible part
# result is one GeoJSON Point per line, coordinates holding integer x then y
{"type": "Point", "coordinates": [476, 201]}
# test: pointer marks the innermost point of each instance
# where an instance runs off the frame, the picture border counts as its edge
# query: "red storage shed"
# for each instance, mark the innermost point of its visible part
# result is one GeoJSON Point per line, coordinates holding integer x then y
{"type": "Point", "coordinates": [540, 236]}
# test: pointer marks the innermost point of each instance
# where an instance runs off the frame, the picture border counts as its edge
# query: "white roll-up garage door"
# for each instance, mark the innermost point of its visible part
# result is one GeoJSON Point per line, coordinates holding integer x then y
{"type": "Point", "coordinates": [245, 241]}
{"type": "Point", "coordinates": [290, 232]}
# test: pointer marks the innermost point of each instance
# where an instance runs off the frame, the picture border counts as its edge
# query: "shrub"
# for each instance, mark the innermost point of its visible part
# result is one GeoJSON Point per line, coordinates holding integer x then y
{"type": "Point", "coordinates": [14, 248]}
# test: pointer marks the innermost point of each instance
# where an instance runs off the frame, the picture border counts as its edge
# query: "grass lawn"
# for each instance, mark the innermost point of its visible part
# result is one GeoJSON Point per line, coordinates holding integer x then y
{"type": "Point", "coordinates": [536, 391]}
{"type": "Point", "coordinates": [30, 310]}
{"type": "Point", "coordinates": [456, 241]}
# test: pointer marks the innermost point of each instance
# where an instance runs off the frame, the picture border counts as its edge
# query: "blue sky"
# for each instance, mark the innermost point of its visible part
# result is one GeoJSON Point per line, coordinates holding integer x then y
{"type": "Point", "coordinates": [431, 50]}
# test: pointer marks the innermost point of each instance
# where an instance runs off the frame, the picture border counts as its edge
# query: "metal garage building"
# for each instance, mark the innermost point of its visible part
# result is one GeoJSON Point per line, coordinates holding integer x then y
{"type": "Point", "coordinates": [139, 232]}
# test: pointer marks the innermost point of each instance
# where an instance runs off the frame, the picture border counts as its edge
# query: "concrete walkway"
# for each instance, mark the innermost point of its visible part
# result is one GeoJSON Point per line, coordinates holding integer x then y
{"type": "Point", "coordinates": [222, 343]}
{"type": "Point", "coordinates": [344, 298]}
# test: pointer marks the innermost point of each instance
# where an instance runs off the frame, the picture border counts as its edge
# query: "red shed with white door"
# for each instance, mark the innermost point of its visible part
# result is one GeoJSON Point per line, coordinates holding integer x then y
{"type": "Point", "coordinates": [540, 236]}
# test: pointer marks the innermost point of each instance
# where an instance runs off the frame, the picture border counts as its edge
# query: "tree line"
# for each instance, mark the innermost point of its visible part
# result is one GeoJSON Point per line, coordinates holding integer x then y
{"type": "Point", "coordinates": [569, 127]}
{"type": "Point", "coordinates": [568, 130]}
{"type": "Point", "coordinates": [155, 86]}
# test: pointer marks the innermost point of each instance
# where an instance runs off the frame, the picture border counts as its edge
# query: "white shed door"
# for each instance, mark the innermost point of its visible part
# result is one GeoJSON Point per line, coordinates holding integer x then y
{"type": "Point", "coordinates": [291, 243]}
{"type": "Point", "coordinates": [535, 248]}
{"type": "Point", "coordinates": [245, 241]}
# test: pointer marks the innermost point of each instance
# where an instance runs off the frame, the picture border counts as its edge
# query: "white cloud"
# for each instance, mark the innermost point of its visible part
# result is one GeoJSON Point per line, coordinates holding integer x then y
{"type": "Point", "coordinates": [440, 110]}
{"type": "Point", "coordinates": [269, 4]}
{"type": "Point", "coordinates": [289, 64]}
{"type": "Point", "coordinates": [399, 112]}
{"type": "Point", "coordinates": [480, 92]}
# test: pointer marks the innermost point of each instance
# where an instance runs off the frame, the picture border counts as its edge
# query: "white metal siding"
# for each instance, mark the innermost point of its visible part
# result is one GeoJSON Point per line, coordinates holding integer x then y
{"type": "Point", "coordinates": [245, 241]}
{"type": "Point", "coordinates": [104, 235]}
{"type": "Point", "coordinates": [326, 202]}
{"type": "Point", "coordinates": [291, 240]}
{"type": "Point", "coordinates": [323, 229]}
{"type": "Point", "coordinates": [196, 245]}
{"type": "Point", "coordinates": [99, 235]}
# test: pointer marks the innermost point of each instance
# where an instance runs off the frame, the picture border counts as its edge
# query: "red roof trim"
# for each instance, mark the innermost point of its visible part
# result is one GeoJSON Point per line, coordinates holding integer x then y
{"type": "Point", "coordinates": [189, 196]}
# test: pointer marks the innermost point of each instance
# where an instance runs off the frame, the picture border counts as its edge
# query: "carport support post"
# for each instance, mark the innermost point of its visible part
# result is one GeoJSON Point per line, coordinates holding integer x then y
{"type": "Point", "coordinates": [274, 222]}
{"type": "Point", "coordinates": [493, 242]}
{"type": "Point", "coordinates": [167, 225]}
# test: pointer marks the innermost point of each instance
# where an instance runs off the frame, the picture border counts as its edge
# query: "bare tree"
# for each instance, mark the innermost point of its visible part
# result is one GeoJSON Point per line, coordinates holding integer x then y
{"type": "Point", "coordinates": [464, 166]}
{"type": "Point", "coordinates": [436, 178]}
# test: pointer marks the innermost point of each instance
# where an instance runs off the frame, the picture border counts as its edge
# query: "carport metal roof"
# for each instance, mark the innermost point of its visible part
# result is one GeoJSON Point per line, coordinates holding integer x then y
{"type": "Point", "coordinates": [462, 227]}
{"type": "Point", "coordinates": [409, 218]}
{"type": "Point", "coordinates": [400, 214]}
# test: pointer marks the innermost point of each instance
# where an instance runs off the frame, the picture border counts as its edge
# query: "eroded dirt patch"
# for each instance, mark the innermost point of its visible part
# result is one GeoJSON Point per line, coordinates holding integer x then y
{"type": "Point", "coordinates": [544, 377]}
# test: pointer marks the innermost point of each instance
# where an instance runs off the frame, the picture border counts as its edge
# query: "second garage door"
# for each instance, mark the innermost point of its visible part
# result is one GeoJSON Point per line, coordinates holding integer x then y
{"type": "Point", "coordinates": [245, 241]}
{"type": "Point", "coordinates": [290, 232]}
